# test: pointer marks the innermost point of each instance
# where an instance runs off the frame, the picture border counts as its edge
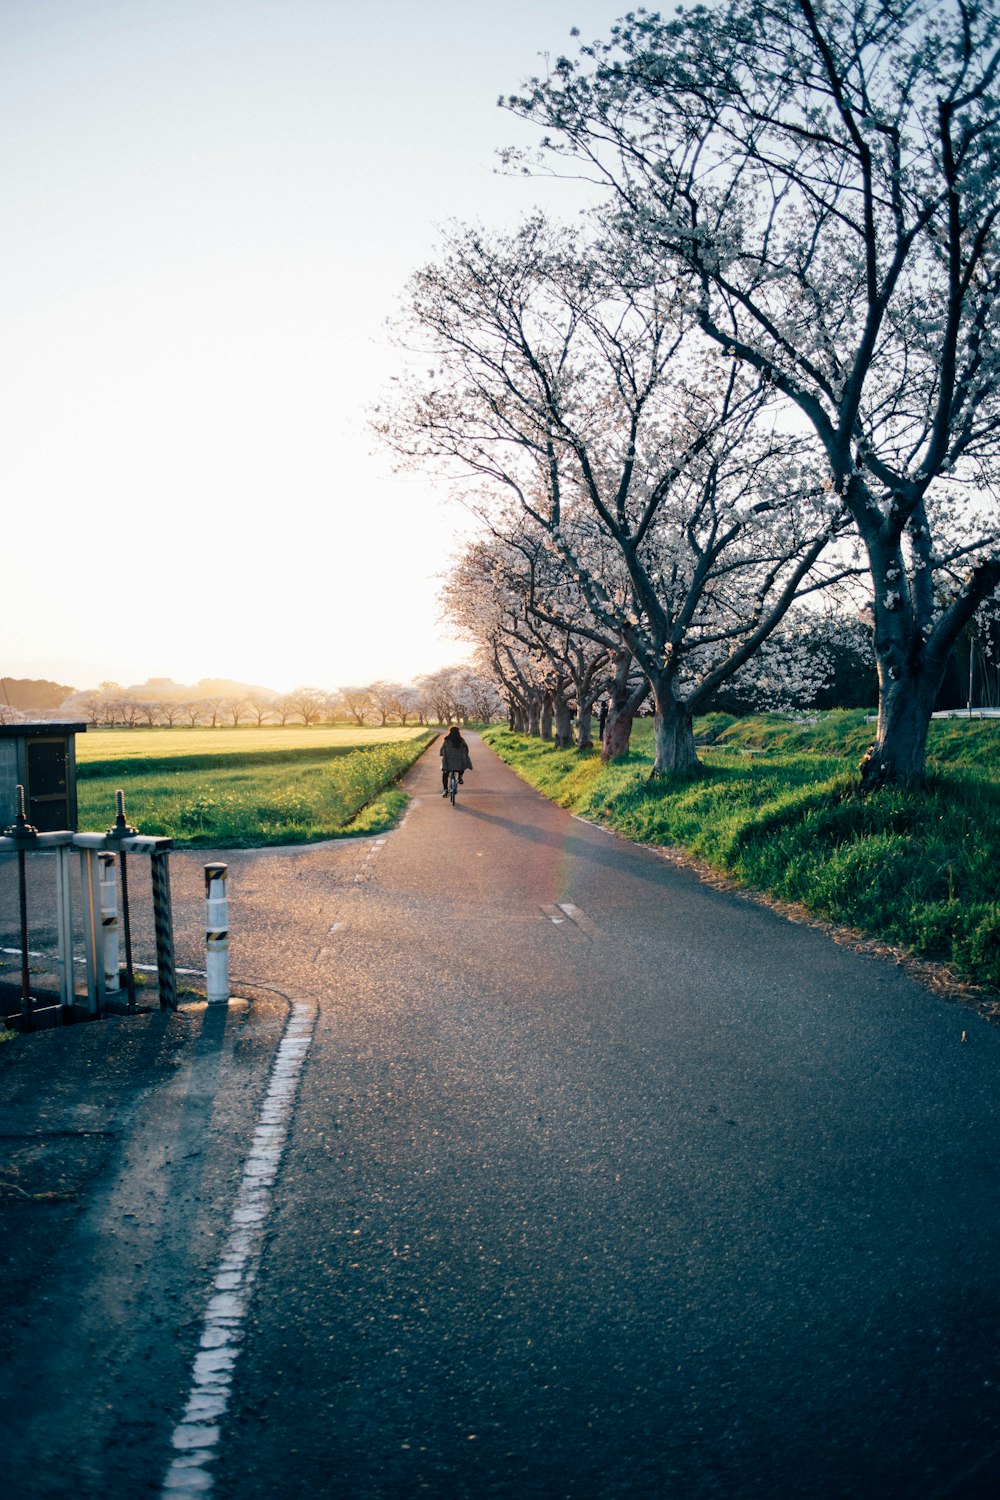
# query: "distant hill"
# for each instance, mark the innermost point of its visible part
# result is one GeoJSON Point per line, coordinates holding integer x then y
{"type": "Point", "coordinates": [33, 694]}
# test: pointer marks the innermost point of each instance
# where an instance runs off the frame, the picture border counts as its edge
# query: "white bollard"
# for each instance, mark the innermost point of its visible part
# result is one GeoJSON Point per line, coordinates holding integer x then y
{"type": "Point", "coordinates": [107, 884]}
{"type": "Point", "coordinates": [217, 933]}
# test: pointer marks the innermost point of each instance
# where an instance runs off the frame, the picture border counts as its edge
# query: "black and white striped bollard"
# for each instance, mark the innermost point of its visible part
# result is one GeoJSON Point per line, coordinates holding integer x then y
{"type": "Point", "coordinates": [217, 933]}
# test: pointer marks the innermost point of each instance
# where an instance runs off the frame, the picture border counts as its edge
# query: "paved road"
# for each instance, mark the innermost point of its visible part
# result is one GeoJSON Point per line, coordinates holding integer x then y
{"type": "Point", "coordinates": [600, 1183]}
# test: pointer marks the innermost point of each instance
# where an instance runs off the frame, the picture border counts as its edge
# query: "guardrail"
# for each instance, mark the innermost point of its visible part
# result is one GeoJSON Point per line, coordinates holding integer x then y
{"type": "Point", "coordinates": [99, 919]}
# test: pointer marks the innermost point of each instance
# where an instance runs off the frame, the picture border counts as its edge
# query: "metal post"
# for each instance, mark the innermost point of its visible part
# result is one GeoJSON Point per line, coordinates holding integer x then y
{"type": "Point", "coordinates": [25, 836]}
{"type": "Point", "coordinates": [64, 919]}
{"type": "Point", "coordinates": [108, 886]}
{"type": "Point", "coordinates": [22, 893]}
{"type": "Point", "coordinates": [127, 926]}
{"type": "Point", "coordinates": [164, 928]}
{"type": "Point", "coordinates": [217, 933]}
{"type": "Point", "coordinates": [121, 831]}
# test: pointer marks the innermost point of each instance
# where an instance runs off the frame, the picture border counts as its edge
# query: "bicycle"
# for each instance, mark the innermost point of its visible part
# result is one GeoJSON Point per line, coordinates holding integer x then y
{"type": "Point", "coordinates": [452, 786]}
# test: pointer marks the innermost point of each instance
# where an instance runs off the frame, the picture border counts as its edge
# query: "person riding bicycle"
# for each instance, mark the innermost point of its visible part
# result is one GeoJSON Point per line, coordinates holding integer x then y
{"type": "Point", "coordinates": [454, 754]}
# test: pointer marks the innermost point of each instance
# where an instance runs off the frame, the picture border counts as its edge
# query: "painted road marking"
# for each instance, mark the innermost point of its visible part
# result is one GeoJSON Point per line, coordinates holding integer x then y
{"type": "Point", "coordinates": [196, 1436]}
{"type": "Point", "coordinates": [575, 921]}
{"type": "Point", "coordinates": [579, 917]}
{"type": "Point", "coordinates": [77, 959]}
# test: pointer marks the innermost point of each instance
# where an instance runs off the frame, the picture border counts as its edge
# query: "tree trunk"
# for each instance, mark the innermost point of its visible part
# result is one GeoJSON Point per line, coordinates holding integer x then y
{"type": "Point", "coordinates": [898, 754]}
{"type": "Point", "coordinates": [910, 669]}
{"type": "Point", "coordinates": [563, 723]}
{"type": "Point", "coordinates": [673, 732]}
{"type": "Point", "coordinates": [674, 738]}
{"type": "Point", "coordinates": [617, 735]}
{"type": "Point", "coordinates": [911, 652]}
{"type": "Point", "coordinates": [546, 719]}
{"type": "Point", "coordinates": [534, 716]}
{"type": "Point", "coordinates": [625, 705]}
{"type": "Point", "coordinates": [585, 723]}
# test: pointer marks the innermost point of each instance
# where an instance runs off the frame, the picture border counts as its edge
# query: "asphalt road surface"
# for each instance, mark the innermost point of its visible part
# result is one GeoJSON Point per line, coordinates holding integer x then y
{"type": "Point", "coordinates": [596, 1182]}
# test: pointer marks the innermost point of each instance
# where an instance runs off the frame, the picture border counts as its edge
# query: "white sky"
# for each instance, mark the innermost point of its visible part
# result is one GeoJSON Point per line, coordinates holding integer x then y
{"type": "Point", "coordinates": [209, 209]}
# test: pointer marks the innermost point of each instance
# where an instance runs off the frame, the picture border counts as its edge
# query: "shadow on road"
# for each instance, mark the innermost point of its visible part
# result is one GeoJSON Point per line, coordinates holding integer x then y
{"type": "Point", "coordinates": [639, 862]}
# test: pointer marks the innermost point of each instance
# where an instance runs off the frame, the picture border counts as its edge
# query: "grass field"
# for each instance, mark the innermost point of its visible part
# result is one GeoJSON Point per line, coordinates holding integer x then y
{"type": "Point", "coordinates": [140, 744]}
{"type": "Point", "coordinates": [777, 809]}
{"type": "Point", "coordinates": [245, 789]}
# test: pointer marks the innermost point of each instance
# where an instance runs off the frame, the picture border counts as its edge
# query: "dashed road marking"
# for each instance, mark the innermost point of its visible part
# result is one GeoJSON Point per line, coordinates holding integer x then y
{"type": "Point", "coordinates": [576, 922]}
{"type": "Point", "coordinates": [579, 917]}
{"type": "Point", "coordinates": [196, 1436]}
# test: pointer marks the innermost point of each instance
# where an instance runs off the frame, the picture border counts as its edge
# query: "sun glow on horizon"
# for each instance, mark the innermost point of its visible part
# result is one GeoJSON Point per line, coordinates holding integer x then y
{"type": "Point", "coordinates": [211, 210]}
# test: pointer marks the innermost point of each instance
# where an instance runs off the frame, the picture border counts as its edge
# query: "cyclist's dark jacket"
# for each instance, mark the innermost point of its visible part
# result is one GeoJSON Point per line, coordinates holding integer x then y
{"type": "Point", "coordinates": [455, 753]}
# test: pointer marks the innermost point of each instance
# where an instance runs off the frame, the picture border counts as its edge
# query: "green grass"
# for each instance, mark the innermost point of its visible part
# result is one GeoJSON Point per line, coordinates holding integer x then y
{"type": "Point", "coordinates": [105, 745]}
{"type": "Point", "coordinates": [255, 797]}
{"type": "Point", "coordinates": [236, 759]}
{"type": "Point", "coordinates": [777, 809]}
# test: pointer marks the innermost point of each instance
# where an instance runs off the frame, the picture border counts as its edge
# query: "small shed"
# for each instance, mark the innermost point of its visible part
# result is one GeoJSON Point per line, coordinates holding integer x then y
{"type": "Point", "coordinates": [41, 757]}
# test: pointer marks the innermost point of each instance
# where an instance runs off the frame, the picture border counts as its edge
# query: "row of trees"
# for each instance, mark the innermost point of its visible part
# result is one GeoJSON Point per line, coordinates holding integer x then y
{"type": "Point", "coordinates": [459, 694]}
{"type": "Point", "coordinates": [756, 393]}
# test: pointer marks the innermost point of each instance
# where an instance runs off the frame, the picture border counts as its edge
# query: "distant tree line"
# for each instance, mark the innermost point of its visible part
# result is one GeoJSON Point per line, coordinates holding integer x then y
{"type": "Point", "coordinates": [458, 694]}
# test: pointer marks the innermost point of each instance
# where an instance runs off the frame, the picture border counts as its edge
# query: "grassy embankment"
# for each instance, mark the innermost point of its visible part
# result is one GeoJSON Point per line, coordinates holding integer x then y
{"type": "Point", "coordinates": [777, 810]}
{"type": "Point", "coordinates": [250, 788]}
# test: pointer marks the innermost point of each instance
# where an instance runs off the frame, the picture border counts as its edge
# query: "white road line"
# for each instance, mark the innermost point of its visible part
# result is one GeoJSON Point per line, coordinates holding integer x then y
{"type": "Point", "coordinates": [196, 1436]}
{"type": "Point", "coordinates": [580, 918]}
{"type": "Point", "coordinates": [138, 968]}
{"type": "Point", "coordinates": [576, 922]}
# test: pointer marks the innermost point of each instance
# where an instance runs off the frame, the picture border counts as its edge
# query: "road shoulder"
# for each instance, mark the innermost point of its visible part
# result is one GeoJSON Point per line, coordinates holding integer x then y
{"type": "Point", "coordinates": [123, 1145]}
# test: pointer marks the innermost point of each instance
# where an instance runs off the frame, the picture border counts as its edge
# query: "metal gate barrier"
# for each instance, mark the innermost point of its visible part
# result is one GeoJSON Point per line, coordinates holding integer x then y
{"type": "Point", "coordinates": [97, 853]}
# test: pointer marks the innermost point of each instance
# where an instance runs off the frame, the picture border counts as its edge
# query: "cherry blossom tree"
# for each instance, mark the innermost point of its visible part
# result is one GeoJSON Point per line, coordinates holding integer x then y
{"type": "Point", "coordinates": [170, 711]}
{"type": "Point", "coordinates": [564, 379]}
{"type": "Point", "coordinates": [237, 709]}
{"type": "Point", "coordinates": [309, 703]}
{"type": "Point", "coordinates": [260, 708]}
{"type": "Point", "coordinates": [509, 589]}
{"type": "Point", "coordinates": [824, 179]}
{"type": "Point", "coordinates": [384, 700]}
{"type": "Point", "coordinates": [437, 689]}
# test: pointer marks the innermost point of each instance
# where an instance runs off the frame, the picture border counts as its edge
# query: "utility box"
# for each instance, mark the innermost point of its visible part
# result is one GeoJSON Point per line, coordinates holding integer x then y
{"type": "Point", "coordinates": [41, 758]}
